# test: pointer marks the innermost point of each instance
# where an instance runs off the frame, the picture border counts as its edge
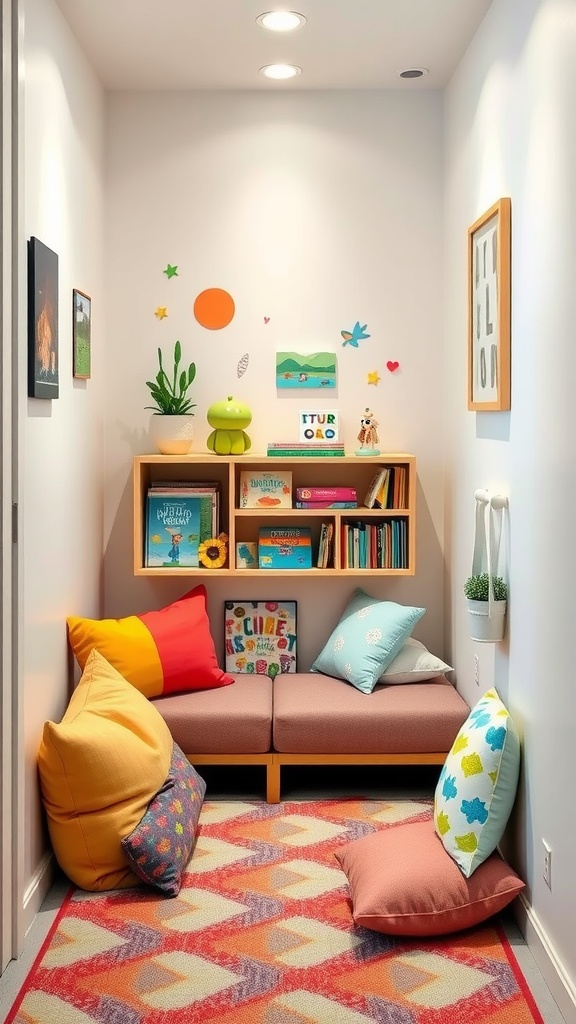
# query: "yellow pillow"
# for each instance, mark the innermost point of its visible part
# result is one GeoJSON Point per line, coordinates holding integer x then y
{"type": "Point", "coordinates": [99, 769]}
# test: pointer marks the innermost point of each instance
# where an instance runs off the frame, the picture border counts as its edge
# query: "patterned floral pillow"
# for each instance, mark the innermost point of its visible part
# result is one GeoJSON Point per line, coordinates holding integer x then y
{"type": "Point", "coordinates": [159, 848]}
{"type": "Point", "coordinates": [368, 637]}
{"type": "Point", "coordinates": [477, 785]}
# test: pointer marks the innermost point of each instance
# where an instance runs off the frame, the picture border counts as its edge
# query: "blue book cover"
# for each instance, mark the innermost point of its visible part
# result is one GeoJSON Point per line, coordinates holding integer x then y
{"type": "Point", "coordinates": [285, 547]}
{"type": "Point", "coordinates": [173, 530]}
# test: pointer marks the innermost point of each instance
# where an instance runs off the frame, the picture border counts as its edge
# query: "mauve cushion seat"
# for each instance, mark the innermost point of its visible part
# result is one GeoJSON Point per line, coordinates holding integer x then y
{"type": "Point", "coordinates": [317, 714]}
{"type": "Point", "coordinates": [234, 719]}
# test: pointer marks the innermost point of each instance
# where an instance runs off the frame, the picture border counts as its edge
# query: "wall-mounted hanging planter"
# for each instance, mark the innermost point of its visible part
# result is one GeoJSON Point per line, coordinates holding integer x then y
{"type": "Point", "coordinates": [486, 617]}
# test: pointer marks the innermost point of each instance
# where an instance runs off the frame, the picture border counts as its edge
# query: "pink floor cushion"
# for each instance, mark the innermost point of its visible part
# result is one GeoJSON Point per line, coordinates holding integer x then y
{"type": "Point", "coordinates": [403, 882]}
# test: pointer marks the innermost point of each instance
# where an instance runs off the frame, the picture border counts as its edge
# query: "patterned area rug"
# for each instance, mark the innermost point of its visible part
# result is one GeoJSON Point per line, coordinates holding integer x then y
{"type": "Point", "coordinates": [262, 933]}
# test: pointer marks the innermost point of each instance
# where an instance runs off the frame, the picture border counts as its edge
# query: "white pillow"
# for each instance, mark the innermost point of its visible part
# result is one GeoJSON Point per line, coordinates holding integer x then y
{"type": "Point", "coordinates": [414, 664]}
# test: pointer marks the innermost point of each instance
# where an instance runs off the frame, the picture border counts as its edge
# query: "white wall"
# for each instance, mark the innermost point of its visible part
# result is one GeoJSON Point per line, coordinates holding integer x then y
{"type": "Point", "coordinates": [62, 440]}
{"type": "Point", "coordinates": [315, 210]}
{"type": "Point", "coordinates": [510, 131]}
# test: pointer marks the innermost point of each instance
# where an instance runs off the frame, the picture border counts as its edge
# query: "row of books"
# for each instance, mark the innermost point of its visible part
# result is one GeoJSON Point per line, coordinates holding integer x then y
{"type": "Point", "coordinates": [374, 545]}
{"type": "Point", "coordinates": [388, 488]}
{"type": "Point", "coordinates": [179, 516]}
{"type": "Point", "coordinates": [364, 545]}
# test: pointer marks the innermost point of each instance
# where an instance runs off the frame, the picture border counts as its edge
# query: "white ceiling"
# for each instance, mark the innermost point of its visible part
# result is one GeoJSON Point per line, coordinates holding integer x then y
{"type": "Point", "coordinates": [216, 44]}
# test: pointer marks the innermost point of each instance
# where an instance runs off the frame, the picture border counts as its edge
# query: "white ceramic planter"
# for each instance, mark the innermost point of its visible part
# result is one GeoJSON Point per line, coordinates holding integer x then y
{"type": "Point", "coordinates": [172, 435]}
{"type": "Point", "coordinates": [487, 629]}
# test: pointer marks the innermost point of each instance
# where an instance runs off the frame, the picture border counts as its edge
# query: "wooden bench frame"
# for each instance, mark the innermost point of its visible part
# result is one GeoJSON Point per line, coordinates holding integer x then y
{"type": "Point", "coordinates": [273, 760]}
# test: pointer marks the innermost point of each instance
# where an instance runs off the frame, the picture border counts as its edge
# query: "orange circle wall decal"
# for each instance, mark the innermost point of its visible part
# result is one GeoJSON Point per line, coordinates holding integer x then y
{"type": "Point", "coordinates": [214, 308]}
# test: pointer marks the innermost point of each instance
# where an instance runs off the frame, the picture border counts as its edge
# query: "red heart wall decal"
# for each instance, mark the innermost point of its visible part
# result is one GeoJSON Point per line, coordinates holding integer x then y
{"type": "Point", "coordinates": [392, 365]}
{"type": "Point", "coordinates": [266, 319]}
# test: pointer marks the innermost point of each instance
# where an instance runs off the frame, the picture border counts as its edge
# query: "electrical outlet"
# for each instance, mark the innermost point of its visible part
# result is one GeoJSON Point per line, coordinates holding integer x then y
{"type": "Point", "coordinates": [547, 864]}
{"type": "Point", "coordinates": [477, 670]}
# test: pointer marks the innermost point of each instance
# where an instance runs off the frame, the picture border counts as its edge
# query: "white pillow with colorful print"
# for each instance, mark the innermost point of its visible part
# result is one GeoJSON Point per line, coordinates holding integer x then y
{"type": "Point", "coordinates": [477, 785]}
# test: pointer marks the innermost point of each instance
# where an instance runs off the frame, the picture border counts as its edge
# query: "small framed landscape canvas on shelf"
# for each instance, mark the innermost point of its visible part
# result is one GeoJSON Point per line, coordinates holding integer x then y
{"type": "Point", "coordinates": [489, 310]}
{"type": "Point", "coordinates": [81, 334]}
{"type": "Point", "coordinates": [260, 637]}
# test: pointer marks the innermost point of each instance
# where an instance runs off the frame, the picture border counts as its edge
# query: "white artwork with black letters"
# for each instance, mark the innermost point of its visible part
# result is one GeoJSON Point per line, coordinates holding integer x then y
{"type": "Point", "coordinates": [485, 313]}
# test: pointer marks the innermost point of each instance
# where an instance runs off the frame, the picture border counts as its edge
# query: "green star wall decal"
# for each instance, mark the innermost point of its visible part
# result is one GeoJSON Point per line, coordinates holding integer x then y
{"type": "Point", "coordinates": [170, 271]}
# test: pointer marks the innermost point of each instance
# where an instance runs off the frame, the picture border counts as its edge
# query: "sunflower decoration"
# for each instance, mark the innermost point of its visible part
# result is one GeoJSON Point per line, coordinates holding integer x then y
{"type": "Point", "coordinates": [213, 552]}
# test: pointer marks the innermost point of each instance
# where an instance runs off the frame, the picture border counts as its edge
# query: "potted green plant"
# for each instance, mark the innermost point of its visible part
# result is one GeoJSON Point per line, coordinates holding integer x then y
{"type": "Point", "coordinates": [171, 426]}
{"type": "Point", "coordinates": [486, 620]}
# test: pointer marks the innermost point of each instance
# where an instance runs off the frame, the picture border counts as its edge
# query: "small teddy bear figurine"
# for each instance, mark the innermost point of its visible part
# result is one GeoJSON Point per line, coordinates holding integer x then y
{"type": "Point", "coordinates": [368, 436]}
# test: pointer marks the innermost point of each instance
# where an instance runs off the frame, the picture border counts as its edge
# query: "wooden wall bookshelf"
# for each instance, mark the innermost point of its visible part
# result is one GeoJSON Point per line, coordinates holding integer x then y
{"type": "Point", "coordinates": [243, 524]}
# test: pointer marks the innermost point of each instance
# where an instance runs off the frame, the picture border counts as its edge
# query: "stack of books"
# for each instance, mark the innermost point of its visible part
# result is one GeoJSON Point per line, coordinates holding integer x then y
{"type": "Point", "coordinates": [295, 449]}
{"type": "Point", "coordinates": [326, 497]}
{"type": "Point", "coordinates": [284, 547]}
{"type": "Point", "coordinates": [179, 516]}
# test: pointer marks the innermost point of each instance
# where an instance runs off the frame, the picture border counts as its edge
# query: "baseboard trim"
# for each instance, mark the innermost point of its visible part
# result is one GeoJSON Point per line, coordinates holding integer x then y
{"type": "Point", "coordinates": [38, 888]}
{"type": "Point", "coordinates": [553, 971]}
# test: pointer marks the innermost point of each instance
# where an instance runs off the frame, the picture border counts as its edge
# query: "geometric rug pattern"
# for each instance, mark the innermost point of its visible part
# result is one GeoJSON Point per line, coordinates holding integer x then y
{"type": "Point", "coordinates": [262, 933]}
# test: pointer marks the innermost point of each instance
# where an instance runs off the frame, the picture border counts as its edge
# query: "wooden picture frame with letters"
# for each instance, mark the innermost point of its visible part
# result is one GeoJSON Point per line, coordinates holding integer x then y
{"type": "Point", "coordinates": [489, 335]}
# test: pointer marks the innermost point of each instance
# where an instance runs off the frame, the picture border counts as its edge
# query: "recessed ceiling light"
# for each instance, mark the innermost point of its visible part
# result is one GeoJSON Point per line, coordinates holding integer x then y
{"type": "Point", "coordinates": [280, 70]}
{"type": "Point", "coordinates": [413, 72]}
{"type": "Point", "coordinates": [281, 21]}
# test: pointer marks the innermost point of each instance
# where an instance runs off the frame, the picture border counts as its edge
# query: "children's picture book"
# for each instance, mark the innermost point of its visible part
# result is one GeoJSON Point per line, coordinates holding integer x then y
{"type": "Point", "coordinates": [284, 547]}
{"type": "Point", "coordinates": [260, 637]}
{"type": "Point", "coordinates": [210, 505]}
{"type": "Point", "coordinates": [265, 488]}
{"type": "Point", "coordinates": [246, 554]}
{"type": "Point", "coordinates": [173, 529]}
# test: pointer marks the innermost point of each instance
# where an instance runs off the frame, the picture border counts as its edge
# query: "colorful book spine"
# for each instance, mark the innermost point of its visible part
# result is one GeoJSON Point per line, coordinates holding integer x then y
{"type": "Point", "coordinates": [326, 494]}
{"type": "Point", "coordinates": [285, 547]}
{"type": "Point", "coordinates": [326, 504]}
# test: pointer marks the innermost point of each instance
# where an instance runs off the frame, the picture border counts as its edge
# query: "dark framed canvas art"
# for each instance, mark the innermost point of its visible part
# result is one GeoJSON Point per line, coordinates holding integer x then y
{"type": "Point", "coordinates": [81, 330]}
{"type": "Point", "coordinates": [42, 320]}
{"type": "Point", "coordinates": [260, 637]}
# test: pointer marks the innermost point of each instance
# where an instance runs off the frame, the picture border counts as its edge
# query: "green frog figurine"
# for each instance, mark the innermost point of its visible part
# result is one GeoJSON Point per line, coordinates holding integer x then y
{"type": "Point", "coordinates": [228, 418]}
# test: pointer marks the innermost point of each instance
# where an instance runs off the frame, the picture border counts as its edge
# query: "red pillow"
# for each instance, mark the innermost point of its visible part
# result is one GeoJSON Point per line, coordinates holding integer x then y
{"type": "Point", "coordinates": [159, 652]}
{"type": "Point", "coordinates": [403, 882]}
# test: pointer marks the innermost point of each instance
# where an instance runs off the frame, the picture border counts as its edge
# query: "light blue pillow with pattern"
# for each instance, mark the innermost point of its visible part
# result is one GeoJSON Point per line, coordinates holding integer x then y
{"type": "Point", "coordinates": [368, 637]}
{"type": "Point", "coordinates": [477, 785]}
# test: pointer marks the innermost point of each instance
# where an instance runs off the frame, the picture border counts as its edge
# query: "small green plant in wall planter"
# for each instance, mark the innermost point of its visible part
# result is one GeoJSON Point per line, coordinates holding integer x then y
{"type": "Point", "coordinates": [171, 426]}
{"type": "Point", "coordinates": [485, 627]}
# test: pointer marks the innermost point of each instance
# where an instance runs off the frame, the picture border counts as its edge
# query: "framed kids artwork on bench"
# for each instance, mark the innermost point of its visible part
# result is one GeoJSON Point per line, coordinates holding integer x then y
{"type": "Point", "coordinates": [260, 637]}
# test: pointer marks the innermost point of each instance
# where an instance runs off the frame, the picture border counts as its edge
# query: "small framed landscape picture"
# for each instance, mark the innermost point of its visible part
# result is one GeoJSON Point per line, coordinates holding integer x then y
{"type": "Point", "coordinates": [81, 329]}
{"type": "Point", "coordinates": [260, 637]}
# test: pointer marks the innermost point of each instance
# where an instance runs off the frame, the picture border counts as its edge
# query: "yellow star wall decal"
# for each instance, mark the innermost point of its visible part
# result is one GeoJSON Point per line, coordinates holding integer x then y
{"type": "Point", "coordinates": [161, 312]}
{"type": "Point", "coordinates": [373, 377]}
